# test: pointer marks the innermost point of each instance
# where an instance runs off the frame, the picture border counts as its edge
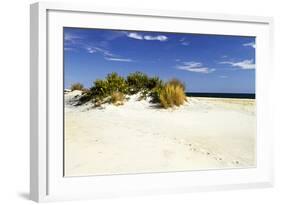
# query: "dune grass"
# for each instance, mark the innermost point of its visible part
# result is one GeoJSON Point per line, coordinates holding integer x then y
{"type": "Point", "coordinates": [117, 98]}
{"type": "Point", "coordinates": [114, 88]}
{"type": "Point", "coordinates": [172, 94]}
{"type": "Point", "coordinates": [76, 86]}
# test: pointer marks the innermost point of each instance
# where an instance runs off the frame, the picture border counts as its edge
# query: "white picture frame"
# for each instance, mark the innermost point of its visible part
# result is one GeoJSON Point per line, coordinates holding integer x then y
{"type": "Point", "coordinates": [46, 179]}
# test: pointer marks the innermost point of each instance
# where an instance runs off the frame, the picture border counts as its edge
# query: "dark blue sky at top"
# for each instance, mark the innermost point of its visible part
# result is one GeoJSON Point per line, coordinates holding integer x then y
{"type": "Point", "coordinates": [206, 63]}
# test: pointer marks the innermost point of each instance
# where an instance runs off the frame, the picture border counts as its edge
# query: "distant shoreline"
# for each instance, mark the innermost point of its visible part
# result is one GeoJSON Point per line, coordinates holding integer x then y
{"type": "Point", "coordinates": [222, 95]}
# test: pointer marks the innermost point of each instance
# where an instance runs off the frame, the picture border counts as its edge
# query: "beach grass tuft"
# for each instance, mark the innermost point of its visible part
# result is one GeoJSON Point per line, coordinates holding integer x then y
{"type": "Point", "coordinates": [77, 86]}
{"type": "Point", "coordinates": [117, 98]}
{"type": "Point", "coordinates": [172, 94]}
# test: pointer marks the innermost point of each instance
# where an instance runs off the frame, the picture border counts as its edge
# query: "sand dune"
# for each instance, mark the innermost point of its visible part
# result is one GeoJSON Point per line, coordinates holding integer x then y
{"type": "Point", "coordinates": [204, 133]}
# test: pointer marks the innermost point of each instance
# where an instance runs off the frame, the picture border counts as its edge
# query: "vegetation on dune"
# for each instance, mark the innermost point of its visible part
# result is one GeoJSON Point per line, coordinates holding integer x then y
{"type": "Point", "coordinates": [172, 94]}
{"type": "Point", "coordinates": [137, 82]}
{"type": "Point", "coordinates": [114, 88]}
{"type": "Point", "coordinates": [176, 82]}
{"type": "Point", "coordinates": [112, 83]}
{"type": "Point", "coordinates": [76, 86]}
{"type": "Point", "coordinates": [117, 98]}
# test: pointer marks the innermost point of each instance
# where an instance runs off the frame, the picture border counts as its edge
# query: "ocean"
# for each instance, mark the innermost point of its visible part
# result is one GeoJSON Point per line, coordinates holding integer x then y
{"type": "Point", "coordinates": [222, 95]}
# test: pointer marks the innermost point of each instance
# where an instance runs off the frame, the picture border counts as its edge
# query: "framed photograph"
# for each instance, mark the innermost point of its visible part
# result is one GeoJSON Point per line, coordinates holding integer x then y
{"type": "Point", "coordinates": [131, 102]}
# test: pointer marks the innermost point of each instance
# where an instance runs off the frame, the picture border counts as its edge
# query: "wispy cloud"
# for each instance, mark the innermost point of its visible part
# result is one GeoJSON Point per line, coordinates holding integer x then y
{"type": "Point", "coordinates": [223, 76]}
{"type": "Point", "coordinates": [195, 67]}
{"type": "Point", "coordinates": [104, 52]}
{"type": "Point", "coordinates": [185, 43]}
{"type": "Point", "coordinates": [71, 41]}
{"type": "Point", "coordinates": [119, 59]}
{"type": "Point", "coordinates": [71, 37]}
{"type": "Point", "coordinates": [139, 36]}
{"type": "Point", "coordinates": [251, 44]}
{"type": "Point", "coordinates": [109, 56]}
{"type": "Point", "coordinates": [245, 64]}
{"type": "Point", "coordinates": [69, 49]}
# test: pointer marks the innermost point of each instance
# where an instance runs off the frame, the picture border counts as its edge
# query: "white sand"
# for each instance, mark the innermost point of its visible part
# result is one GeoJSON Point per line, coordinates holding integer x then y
{"type": "Point", "coordinates": [205, 133]}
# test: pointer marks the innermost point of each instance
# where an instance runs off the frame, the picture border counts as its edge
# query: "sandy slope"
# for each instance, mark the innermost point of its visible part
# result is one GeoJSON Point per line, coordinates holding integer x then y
{"type": "Point", "coordinates": [205, 133]}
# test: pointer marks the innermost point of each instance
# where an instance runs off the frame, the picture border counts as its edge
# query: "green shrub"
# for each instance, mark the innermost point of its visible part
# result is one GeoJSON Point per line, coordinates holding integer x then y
{"type": "Point", "coordinates": [100, 89]}
{"type": "Point", "coordinates": [137, 81]}
{"type": "Point", "coordinates": [172, 94]}
{"type": "Point", "coordinates": [76, 86]}
{"type": "Point", "coordinates": [112, 83]}
{"type": "Point", "coordinates": [154, 82]}
{"type": "Point", "coordinates": [116, 83]}
{"type": "Point", "coordinates": [86, 96]}
{"type": "Point", "coordinates": [155, 94]}
{"type": "Point", "coordinates": [143, 94]}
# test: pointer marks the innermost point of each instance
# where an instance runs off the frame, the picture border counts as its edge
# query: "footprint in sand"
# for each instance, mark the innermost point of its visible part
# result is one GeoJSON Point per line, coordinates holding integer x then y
{"type": "Point", "coordinates": [218, 158]}
{"type": "Point", "coordinates": [202, 151]}
{"type": "Point", "coordinates": [205, 152]}
{"type": "Point", "coordinates": [191, 148]}
{"type": "Point", "coordinates": [236, 162]}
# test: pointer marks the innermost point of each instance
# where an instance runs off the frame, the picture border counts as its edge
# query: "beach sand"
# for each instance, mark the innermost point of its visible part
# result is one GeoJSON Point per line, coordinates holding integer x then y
{"type": "Point", "coordinates": [138, 137]}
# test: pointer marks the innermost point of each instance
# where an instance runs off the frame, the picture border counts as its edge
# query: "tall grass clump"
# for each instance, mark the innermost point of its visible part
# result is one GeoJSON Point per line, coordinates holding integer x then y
{"type": "Point", "coordinates": [177, 82]}
{"type": "Point", "coordinates": [172, 94]}
{"type": "Point", "coordinates": [117, 98]}
{"type": "Point", "coordinates": [76, 86]}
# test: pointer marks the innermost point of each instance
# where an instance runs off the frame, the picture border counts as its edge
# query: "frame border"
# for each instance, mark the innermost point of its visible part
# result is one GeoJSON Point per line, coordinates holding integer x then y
{"type": "Point", "coordinates": [39, 176]}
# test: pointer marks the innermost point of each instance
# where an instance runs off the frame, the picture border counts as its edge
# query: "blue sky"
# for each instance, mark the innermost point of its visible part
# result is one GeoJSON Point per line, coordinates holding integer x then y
{"type": "Point", "coordinates": [206, 63]}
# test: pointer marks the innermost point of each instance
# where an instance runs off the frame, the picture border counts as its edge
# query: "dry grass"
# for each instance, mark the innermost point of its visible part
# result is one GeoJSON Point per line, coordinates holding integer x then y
{"type": "Point", "coordinates": [117, 98]}
{"type": "Point", "coordinates": [77, 86]}
{"type": "Point", "coordinates": [176, 82]}
{"type": "Point", "coordinates": [172, 95]}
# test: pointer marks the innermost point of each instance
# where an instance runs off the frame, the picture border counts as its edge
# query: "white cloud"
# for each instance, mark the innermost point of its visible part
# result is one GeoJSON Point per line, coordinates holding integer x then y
{"type": "Point", "coordinates": [223, 76]}
{"type": "Point", "coordinates": [185, 43]}
{"type": "Point", "coordinates": [107, 54]}
{"type": "Point", "coordinates": [104, 52]}
{"type": "Point", "coordinates": [251, 44]}
{"type": "Point", "coordinates": [119, 59]}
{"type": "Point", "coordinates": [195, 67]}
{"type": "Point", "coordinates": [245, 64]}
{"type": "Point", "coordinates": [91, 50]}
{"type": "Point", "coordinates": [71, 42]}
{"type": "Point", "coordinates": [69, 49]}
{"type": "Point", "coordinates": [71, 37]}
{"type": "Point", "coordinates": [135, 36]}
{"type": "Point", "coordinates": [182, 39]}
{"type": "Point", "coordinates": [138, 36]}
{"type": "Point", "coordinates": [155, 38]}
